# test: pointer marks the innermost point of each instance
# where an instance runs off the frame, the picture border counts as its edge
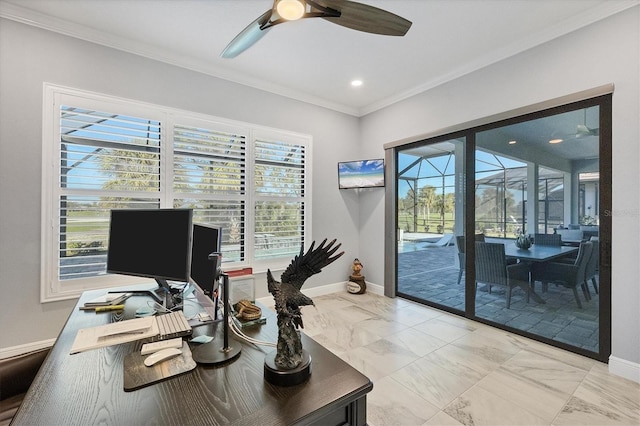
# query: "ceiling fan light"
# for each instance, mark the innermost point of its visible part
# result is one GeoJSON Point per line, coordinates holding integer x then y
{"type": "Point", "coordinates": [290, 9]}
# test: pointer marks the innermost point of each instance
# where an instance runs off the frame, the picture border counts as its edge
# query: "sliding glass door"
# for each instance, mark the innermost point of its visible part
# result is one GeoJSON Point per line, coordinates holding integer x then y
{"type": "Point", "coordinates": [542, 160]}
{"type": "Point", "coordinates": [543, 178]}
{"type": "Point", "coordinates": [430, 206]}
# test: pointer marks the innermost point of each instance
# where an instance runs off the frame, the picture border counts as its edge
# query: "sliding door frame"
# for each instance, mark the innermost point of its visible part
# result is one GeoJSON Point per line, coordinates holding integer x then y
{"type": "Point", "coordinates": [602, 97]}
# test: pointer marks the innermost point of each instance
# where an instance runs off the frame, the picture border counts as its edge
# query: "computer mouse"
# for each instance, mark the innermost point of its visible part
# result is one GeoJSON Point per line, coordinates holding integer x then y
{"type": "Point", "coordinates": [162, 355]}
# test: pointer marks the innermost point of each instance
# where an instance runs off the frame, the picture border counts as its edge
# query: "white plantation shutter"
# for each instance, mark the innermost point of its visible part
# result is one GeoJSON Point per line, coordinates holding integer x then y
{"type": "Point", "coordinates": [107, 161]}
{"type": "Point", "coordinates": [210, 176]}
{"type": "Point", "coordinates": [208, 161]}
{"type": "Point", "coordinates": [279, 198]}
{"type": "Point", "coordinates": [102, 153]}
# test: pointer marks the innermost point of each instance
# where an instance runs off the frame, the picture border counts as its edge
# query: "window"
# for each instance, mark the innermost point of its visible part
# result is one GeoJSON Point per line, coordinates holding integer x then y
{"type": "Point", "coordinates": [550, 200]}
{"type": "Point", "coordinates": [102, 153]}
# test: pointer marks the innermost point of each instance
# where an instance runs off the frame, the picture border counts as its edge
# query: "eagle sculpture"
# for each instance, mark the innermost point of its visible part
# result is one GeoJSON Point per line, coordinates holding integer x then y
{"type": "Point", "coordinates": [288, 299]}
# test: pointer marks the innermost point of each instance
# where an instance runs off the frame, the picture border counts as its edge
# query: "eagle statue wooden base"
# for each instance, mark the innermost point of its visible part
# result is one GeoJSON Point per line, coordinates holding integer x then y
{"type": "Point", "coordinates": [290, 364]}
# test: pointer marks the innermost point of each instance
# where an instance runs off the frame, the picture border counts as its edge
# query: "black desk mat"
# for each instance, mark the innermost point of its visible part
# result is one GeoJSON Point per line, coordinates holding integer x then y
{"type": "Point", "coordinates": [137, 375]}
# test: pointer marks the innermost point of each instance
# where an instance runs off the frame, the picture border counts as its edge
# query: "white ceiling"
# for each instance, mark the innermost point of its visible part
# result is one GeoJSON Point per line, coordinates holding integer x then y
{"type": "Point", "coordinates": [314, 60]}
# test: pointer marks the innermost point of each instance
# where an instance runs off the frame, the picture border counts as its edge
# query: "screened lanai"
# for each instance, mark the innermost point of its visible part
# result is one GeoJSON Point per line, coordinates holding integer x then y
{"type": "Point", "coordinates": [427, 202]}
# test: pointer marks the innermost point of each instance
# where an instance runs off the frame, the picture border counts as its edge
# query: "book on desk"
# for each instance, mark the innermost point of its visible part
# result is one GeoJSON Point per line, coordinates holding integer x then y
{"type": "Point", "coordinates": [109, 299]}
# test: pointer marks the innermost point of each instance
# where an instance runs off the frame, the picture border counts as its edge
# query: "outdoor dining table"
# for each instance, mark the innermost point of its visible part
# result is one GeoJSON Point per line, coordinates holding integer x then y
{"type": "Point", "coordinates": [537, 253]}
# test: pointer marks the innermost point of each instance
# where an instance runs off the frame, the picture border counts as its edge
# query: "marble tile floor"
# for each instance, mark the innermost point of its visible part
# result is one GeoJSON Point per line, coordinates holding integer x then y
{"type": "Point", "coordinates": [429, 367]}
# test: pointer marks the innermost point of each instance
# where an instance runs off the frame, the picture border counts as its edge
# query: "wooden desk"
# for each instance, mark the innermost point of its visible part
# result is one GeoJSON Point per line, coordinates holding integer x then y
{"type": "Point", "coordinates": [87, 388]}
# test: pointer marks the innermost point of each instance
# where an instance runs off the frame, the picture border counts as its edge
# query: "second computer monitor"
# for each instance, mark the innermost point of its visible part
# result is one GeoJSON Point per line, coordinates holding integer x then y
{"type": "Point", "coordinates": [207, 239]}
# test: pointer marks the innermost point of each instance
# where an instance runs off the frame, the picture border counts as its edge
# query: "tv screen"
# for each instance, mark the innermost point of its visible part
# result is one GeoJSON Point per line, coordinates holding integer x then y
{"type": "Point", "coordinates": [361, 174]}
{"type": "Point", "coordinates": [206, 240]}
{"type": "Point", "coordinates": [151, 243]}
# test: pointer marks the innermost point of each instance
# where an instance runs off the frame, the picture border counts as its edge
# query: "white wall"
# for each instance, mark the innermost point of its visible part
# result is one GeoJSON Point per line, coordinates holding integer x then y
{"type": "Point", "coordinates": [606, 52]}
{"type": "Point", "coordinates": [31, 56]}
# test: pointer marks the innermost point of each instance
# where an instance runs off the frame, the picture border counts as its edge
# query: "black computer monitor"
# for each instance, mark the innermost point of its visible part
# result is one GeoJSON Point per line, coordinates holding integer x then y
{"type": "Point", "coordinates": [152, 243]}
{"type": "Point", "coordinates": [207, 239]}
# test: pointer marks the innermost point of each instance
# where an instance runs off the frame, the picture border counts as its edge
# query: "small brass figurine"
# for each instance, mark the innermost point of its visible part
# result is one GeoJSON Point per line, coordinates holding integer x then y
{"type": "Point", "coordinates": [356, 267]}
{"type": "Point", "coordinates": [356, 284]}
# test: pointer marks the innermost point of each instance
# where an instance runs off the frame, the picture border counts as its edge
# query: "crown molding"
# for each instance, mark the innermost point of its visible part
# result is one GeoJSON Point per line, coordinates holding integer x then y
{"type": "Point", "coordinates": [603, 11]}
{"type": "Point", "coordinates": [61, 26]}
{"type": "Point", "coordinates": [50, 23]}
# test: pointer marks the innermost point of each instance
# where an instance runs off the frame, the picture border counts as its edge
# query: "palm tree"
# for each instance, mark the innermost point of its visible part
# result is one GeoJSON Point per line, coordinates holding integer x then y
{"type": "Point", "coordinates": [427, 198]}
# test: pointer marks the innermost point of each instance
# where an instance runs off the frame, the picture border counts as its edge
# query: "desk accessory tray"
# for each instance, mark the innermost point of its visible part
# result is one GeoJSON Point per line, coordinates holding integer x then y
{"type": "Point", "coordinates": [137, 375]}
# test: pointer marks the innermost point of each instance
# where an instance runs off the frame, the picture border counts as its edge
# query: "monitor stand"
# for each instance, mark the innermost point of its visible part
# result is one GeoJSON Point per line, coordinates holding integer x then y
{"type": "Point", "coordinates": [171, 296]}
{"type": "Point", "coordinates": [164, 295]}
{"type": "Point", "coordinates": [213, 352]}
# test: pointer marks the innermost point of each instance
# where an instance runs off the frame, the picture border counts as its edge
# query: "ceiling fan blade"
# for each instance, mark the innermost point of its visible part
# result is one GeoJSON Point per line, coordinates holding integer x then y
{"type": "Point", "coordinates": [247, 37]}
{"type": "Point", "coordinates": [582, 130]}
{"type": "Point", "coordinates": [362, 17]}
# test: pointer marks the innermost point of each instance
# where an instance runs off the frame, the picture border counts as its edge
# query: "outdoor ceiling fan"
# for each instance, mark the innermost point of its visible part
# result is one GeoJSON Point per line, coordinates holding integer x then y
{"type": "Point", "coordinates": [582, 131]}
{"type": "Point", "coordinates": [350, 14]}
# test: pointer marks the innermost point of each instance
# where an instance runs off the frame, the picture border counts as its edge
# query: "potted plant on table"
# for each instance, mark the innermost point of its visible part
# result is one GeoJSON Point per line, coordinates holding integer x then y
{"type": "Point", "coordinates": [523, 242]}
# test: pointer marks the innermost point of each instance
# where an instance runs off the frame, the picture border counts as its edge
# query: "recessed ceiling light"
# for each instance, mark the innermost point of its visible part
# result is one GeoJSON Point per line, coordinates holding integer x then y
{"type": "Point", "coordinates": [356, 83]}
{"type": "Point", "coordinates": [556, 140]}
{"type": "Point", "coordinates": [512, 142]}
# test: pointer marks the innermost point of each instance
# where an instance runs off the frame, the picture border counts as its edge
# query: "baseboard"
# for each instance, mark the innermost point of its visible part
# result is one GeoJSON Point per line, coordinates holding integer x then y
{"type": "Point", "coordinates": [627, 369]}
{"type": "Point", "coordinates": [23, 349]}
{"type": "Point", "coordinates": [375, 289]}
{"type": "Point", "coordinates": [326, 289]}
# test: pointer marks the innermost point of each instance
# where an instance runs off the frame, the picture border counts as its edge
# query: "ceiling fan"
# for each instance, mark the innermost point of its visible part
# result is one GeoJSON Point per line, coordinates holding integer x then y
{"type": "Point", "coordinates": [582, 130]}
{"type": "Point", "coordinates": [346, 13]}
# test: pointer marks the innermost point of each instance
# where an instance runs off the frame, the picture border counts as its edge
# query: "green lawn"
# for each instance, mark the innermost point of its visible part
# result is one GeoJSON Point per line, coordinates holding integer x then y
{"type": "Point", "coordinates": [434, 225]}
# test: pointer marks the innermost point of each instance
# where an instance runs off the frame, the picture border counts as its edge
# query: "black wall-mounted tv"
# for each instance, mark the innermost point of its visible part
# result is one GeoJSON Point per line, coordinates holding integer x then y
{"type": "Point", "coordinates": [361, 174]}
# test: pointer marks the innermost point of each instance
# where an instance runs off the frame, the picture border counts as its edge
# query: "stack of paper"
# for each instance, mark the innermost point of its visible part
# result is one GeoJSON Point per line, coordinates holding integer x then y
{"type": "Point", "coordinates": [108, 299]}
{"type": "Point", "coordinates": [114, 334]}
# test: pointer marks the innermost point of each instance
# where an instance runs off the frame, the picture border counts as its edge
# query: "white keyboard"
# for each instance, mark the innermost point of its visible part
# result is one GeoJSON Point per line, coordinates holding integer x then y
{"type": "Point", "coordinates": [172, 325]}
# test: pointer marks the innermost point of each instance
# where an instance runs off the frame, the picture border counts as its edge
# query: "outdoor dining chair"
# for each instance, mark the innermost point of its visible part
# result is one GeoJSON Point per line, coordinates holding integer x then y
{"type": "Point", "coordinates": [591, 271]}
{"type": "Point", "coordinates": [547, 240]}
{"type": "Point", "coordinates": [569, 275]}
{"type": "Point", "coordinates": [461, 256]}
{"type": "Point", "coordinates": [492, 270]}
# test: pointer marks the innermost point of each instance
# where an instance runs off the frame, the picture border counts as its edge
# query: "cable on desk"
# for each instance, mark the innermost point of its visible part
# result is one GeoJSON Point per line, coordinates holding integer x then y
{"type": "Point", "coordinates": [239, 333]}
{"type": "Point", "coordinates": [236, 330]}
{"type": "Point", "coordinates": [160, 308]}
